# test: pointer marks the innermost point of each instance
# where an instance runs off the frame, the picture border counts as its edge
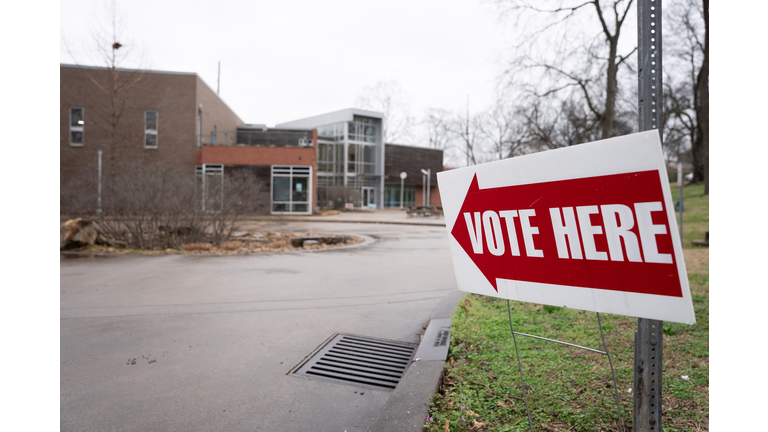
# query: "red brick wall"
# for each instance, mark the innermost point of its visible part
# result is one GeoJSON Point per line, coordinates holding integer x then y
{"type": "Point", "coordinates": [248, 155]}
{"type": "Point", "coordinates": [434, 196]}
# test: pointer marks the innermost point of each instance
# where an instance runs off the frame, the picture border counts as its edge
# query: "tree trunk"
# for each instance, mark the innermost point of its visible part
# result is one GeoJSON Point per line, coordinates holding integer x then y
{"type": "Point", "coordinates": [611, 89]}
{"type": "Point", "coordinates": [704, 94]}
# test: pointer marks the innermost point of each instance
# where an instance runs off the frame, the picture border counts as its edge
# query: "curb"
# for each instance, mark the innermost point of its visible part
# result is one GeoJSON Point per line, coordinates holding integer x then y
{"type": "Point", "coordinates": [407, 407]}
{"type": "Point", "coordinates": [354, 221]}
{"type": "Point", "coordinates": [367, 241]}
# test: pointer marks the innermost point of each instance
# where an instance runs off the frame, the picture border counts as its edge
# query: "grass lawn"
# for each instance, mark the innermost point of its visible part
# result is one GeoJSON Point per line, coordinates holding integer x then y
{"type": "Point", "coordinates": [570, 389]}
{"type": "Point", "coordinates": [695, 213]}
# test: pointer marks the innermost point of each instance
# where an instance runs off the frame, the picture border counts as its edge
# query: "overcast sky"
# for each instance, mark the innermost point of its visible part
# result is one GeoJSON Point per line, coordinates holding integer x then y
{"type": "Point", "coordinates": [286, 60]}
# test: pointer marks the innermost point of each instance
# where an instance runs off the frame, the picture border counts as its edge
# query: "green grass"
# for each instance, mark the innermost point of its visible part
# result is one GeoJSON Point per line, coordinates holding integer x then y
{"type": "Point", "coordinates": [695, 213]}
{"type": "Point", "coordinates": [570, 389]}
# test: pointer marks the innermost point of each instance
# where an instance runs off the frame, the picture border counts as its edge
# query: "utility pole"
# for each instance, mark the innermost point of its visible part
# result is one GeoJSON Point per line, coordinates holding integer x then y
{"type": "Point", "coordinates": [649, 347]}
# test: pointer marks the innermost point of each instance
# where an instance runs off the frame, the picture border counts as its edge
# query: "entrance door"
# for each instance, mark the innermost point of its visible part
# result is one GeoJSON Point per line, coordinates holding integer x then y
{"type": "Point", "coordinates": [369, 195]}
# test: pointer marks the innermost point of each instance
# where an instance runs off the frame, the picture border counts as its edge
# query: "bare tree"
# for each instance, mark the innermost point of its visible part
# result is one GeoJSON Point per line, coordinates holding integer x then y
{"type": "Point", "coordinates": [466, 137]}
{"type": "Point", "coordinates": [389, 98]}
{"type": "Point", "coordinates": [112, 51]}
{"type": "Point", "coordinates": [435, 124]}
{"type": "Point", "coordinates": [501, 127]}
{"type": "Point", "coordinates": [568, 59]}
{"type": "Point", "coordinates": [689, 91]}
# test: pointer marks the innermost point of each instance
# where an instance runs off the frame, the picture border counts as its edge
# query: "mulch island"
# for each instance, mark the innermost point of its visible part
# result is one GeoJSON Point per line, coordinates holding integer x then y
{"type": "Point", "coordinates": [240, 243]}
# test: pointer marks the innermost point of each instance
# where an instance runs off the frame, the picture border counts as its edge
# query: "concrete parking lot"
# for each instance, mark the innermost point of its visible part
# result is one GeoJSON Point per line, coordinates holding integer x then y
{"type": "Point", "coordinates": [183, 342]}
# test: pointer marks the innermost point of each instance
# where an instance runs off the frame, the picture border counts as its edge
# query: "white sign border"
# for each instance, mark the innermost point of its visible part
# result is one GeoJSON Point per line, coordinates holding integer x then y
{"type": "Point", "coordinates": [625, 154]}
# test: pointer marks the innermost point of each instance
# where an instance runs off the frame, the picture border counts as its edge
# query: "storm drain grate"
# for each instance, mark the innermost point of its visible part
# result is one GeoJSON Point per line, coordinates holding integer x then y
{"type": "Point", "coordinates": [359, 361]}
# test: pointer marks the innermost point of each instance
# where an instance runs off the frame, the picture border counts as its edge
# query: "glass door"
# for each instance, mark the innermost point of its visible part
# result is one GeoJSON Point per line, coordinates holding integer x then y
{"type": "Point", "coordinates": [369, 197]}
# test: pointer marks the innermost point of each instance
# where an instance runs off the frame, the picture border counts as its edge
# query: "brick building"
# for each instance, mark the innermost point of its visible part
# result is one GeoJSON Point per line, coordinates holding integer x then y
{"type": "Point", "coordinates": [411, 161]}
{"type": "Point", "coordinates": [173, 120]}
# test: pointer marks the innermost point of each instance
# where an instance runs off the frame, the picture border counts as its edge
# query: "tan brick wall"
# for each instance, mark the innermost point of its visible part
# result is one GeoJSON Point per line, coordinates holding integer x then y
{"type": "Point", "coordinates": [215, 113]}
{"type": "Point", "coordinates": [176, 97]}
{"type": "Point", "coordinates": [172, 95]}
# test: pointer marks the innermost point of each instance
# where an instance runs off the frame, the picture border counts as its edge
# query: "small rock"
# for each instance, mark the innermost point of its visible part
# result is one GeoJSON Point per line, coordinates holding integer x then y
{"type": "Point", "coordinates": [76, 233]}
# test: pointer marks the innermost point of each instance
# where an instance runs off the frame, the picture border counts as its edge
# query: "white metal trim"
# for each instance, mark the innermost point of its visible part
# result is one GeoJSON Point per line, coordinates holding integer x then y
{"type": "Point", "coordinates": [291, 171]}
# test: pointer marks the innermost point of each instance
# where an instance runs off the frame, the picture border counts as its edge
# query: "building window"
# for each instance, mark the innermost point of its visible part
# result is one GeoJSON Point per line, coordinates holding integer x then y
{"type": "Point", "coordinates": [150, 129]}
{"type": "Point", "coordinates": [362, 129]}
{"type": "Point", "coordinates": [76, 126]}
{"type": "Point", "coordinates": [210, 187]}
{"type": "Point", "coordinates": [392, 198]}
{"type": "Point", "coordinates": [330, 158]}
{"type": "Point", "coordinates": [335, 131]}
{"type": "Point", "coordinates": [291, 189]}
{"type": "Point", "coordinates": [213, 135]}
{"type": "Point", "coordinates": [361, 159]}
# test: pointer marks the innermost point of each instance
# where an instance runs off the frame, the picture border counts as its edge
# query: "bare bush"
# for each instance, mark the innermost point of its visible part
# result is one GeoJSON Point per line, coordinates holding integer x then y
{"type": "Point", "coordinates": [340, 195]}
{"type": "Point", "coordinates": [150, 207]}
{"type": "Point", "coordinates": [236, 193]}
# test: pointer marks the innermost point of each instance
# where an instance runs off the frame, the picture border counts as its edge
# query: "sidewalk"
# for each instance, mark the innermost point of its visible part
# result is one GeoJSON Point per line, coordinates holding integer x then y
{"type": "Point", "coordinates": [384, 216]}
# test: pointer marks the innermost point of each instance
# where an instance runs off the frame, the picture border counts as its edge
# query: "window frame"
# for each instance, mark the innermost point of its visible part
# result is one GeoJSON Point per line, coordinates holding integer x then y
{"type": "Point", "coordinates": [148, 131]}
{"type": "Point", "coordinates": [80, 129]}
{"type": "Point", "coordinates": [290, 172]}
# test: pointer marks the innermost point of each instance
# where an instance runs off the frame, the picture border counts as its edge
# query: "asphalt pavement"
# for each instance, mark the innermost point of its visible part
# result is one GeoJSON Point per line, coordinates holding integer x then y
{"type": "Point", "coordinates": [182, 342]}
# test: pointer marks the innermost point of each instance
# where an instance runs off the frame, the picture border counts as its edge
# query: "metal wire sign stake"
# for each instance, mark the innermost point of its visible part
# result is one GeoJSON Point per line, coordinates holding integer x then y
{"type": "Point", "coordinates": [520, 367]}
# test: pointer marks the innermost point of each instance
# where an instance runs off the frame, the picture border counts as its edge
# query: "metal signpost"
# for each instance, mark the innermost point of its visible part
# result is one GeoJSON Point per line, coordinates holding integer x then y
{"type": "Point", "coordinates": [646, 412]}
{"type": "Point", "coordinates": [680, 186]}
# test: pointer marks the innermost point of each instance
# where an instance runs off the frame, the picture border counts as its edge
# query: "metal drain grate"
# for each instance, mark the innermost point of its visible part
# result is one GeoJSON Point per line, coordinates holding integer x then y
{"type": "Point", "coordinates": [359, 361]}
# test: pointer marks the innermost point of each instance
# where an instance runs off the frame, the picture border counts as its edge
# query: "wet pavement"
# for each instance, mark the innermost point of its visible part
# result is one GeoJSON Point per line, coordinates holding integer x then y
{"type": "Point", "coordinates": [181, 342]}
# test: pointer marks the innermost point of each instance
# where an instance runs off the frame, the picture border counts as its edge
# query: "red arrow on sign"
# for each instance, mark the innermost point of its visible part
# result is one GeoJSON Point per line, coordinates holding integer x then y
{"type": "Point", "coordinates": [607, 232]}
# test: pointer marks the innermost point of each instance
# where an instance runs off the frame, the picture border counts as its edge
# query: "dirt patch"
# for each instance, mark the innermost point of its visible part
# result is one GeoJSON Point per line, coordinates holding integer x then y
{"type": "Point", "coordinates": [243, 243]}
{"type": "Point", "coordinates": [696, 260]}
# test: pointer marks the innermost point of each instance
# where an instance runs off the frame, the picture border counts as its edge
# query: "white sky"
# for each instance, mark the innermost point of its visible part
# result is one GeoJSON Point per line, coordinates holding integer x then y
{"type": "Point", "coordinates": [286, 60]}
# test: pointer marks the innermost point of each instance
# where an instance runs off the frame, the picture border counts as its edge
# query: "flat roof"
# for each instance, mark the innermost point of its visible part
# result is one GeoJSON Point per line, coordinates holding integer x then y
{"type": "Point", "coordinates": [340, 116]}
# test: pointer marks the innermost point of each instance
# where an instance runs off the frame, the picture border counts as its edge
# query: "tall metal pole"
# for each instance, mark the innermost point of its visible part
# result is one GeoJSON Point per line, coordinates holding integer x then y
{"type": "Point", "coordinates": [98, 209]}
{"type": "Point", "coordinates": [646, 412]}
{"type": "Point", "coordinates": [680, 186]}
{"type": "Point", "coordinates": [403, 175]}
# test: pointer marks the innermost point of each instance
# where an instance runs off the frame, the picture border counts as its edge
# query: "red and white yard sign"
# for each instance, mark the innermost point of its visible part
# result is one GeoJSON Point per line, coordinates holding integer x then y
{"type": "Point", "coordinates": [587, 227]}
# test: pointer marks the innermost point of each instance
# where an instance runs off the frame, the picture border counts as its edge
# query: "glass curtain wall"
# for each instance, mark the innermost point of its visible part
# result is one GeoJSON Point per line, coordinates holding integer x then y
{"type": "Point", "coordinates": [347, 159]}
{"type": "Point", "coordinates": [392, 196]}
